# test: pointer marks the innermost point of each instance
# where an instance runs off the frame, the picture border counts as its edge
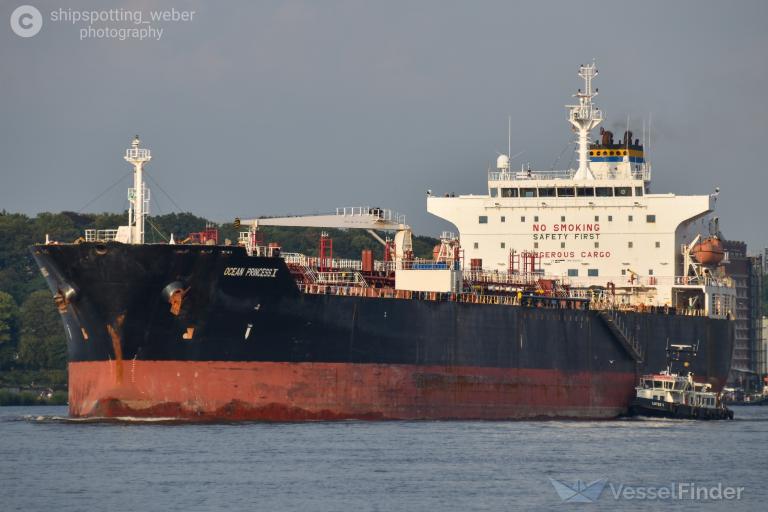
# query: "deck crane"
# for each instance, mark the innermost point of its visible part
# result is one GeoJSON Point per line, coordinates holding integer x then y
{"type": "Point", "coordinates": [367, 218]}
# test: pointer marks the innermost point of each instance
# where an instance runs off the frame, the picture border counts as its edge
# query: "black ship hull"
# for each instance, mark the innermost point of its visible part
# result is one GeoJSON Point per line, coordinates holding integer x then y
{"type": "Point", "coordinates": [244, 342]}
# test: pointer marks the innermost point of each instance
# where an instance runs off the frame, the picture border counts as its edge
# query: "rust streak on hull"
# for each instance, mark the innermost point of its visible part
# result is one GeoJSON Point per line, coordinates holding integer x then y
{"type": "Point", "coordinates": [114, 334]}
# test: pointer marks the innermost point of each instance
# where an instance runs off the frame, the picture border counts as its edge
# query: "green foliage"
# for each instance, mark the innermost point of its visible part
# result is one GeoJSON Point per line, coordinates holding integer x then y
{"type": "Point", "coordinates": [41, 343]}
{"type": "Point", "coordinates": [18, 274]}
{"type": "Point", "coordinates": [31, 398]}
{"type": "Point", "coordinates": [20, 377]}
{"type": "Point", "coordinates": [180, 224]}
{"type": "Point", "coordinates": [9, 316]}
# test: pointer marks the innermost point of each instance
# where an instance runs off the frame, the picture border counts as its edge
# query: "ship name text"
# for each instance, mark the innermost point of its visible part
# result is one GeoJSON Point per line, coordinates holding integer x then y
{"type": "Point", "coordinates": [250, 272]}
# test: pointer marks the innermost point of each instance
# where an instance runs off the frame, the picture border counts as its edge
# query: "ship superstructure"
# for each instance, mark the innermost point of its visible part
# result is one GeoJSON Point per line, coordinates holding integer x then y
{"type": "Point", "coordinates": [595, 227]}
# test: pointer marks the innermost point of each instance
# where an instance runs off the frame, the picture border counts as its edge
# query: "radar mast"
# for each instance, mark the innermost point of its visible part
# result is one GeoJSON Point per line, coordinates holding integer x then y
{"type": "Point", "coordinates": [584, 117]}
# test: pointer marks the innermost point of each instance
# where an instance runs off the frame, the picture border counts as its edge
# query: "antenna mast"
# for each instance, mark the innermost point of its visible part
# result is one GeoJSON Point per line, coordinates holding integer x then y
{"type": "Point", "coordinates": [584, 117]}
{"type": "Point", "coordinates": [138, 196]}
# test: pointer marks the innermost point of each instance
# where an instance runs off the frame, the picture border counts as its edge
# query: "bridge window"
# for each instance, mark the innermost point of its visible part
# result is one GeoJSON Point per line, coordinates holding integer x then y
{"type": "Point", "coordinates": [593, 272]}
{"type": "Point", "coordinates": [562, 245]}
{"type": "Point", "coordinates": [630, 244]}
{"type": "Point", "coordinates": [650, 271]}
{"type": "Point", "coordinates": [547, 192]}
{"type": "Point", "coordinates": [658, 244]}
{"type": "Point", "coordinates": [650, 218]}
{"type": "Point", "coordinates": [597, 245]}
{"type": "Point", "coordinates": [503, 245]}
{"type": "Point", "coordinates": [522, 219]}
{"type": "Point", "coordinates": [585, 192]}
{"type": "Point", "coordinates": [483, 219]}
{"type": "Point", "coordinates": [535, 245]}
{"type": "Point", "coordinates": [565, 192]}
{"type": "Point", "coordinates": [503, 218]}
{"type": "Point", "coordinates": [535, 218]}
{"type": "Point", "coordinates": [597, 218]}
{"type": "Point", "coordinates": [477, 245]}
{"type": "Point", "coordinates": [494, 192]}
{"type": "Point", "coordinates": [630, 218]}
{"type": "Point", "coordinates": [573, 272]}
{"type": "Point", "coordinates": [610, 218]}
{"type": "Point", "coordinates": [604, 192]}
{"type": "Point", "coordinates": [527, 192]}
{"type": "Point", "coordinates": [622, 191]}
{"type": "Point", "coordinates": [508, 192]}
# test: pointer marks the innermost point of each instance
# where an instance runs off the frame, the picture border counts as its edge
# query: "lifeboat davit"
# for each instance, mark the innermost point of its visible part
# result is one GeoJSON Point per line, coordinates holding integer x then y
{"type": "Point", "coordinates": [709, 251]}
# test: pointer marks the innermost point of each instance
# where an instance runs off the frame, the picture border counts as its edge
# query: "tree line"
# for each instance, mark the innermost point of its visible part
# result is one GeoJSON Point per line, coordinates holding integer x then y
{"type": "Point", "coordinates": [32, 338]}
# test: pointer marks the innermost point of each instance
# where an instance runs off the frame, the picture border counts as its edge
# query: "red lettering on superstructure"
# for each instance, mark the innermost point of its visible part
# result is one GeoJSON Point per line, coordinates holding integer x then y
{"type": "Point", "coordinates": [539, 227]}
{"type": "Point", "coordinates": [557, 254]}
{"type": "Point", "coordinates": [595, 254]}
{"type": "Point", "coordinates": [576, 228]}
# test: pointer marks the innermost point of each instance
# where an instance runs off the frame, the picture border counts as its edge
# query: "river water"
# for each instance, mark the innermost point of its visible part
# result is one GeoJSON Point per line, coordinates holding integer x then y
{"type": "Point", "coordinates": [48, 462]}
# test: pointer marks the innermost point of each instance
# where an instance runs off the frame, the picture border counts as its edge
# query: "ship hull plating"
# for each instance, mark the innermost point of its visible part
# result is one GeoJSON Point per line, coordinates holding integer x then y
{"type": "Point", "coordinates": [241, 342]}
{"type": "Point", "coordinates": [333, 391]}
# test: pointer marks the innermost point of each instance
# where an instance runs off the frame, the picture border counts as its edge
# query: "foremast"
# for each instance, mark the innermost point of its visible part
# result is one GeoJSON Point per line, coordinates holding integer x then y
{"type": "Point", "coordinates": [138, 196]}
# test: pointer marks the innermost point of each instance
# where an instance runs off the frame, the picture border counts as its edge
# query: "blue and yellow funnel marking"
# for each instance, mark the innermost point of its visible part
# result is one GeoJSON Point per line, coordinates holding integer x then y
{"type": "Point", "coordinates": [616, 155]}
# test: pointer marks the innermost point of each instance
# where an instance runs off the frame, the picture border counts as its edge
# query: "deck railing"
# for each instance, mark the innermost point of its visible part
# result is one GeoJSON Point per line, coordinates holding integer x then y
{"type": "Point", "coordinates": [100, 235]}
{"type": "Point", "coordinates": [644, 173]}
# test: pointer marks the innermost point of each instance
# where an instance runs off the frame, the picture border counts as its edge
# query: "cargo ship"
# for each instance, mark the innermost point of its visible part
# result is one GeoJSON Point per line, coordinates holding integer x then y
{"type": "Point", "coordinates": [559, 290]}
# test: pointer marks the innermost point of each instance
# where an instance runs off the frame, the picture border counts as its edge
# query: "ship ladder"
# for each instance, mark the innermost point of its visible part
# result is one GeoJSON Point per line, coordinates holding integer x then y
{"type": "Point", "coordinates": [612, 321]}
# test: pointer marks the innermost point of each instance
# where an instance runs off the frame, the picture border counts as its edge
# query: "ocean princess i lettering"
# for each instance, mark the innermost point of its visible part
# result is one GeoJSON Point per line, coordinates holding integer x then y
{"type": "Point", "coordinates": [249, 272]}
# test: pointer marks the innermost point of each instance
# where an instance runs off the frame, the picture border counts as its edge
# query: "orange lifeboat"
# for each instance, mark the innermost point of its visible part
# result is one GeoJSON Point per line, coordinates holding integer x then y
{"type": "Point", "coordinates": [709, 251]}
{"type": "Point", "coordinates": [436, 252]}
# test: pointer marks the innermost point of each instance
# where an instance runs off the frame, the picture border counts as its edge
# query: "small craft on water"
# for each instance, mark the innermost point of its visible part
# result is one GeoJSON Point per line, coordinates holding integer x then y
{"type": "Point", "coordinates": [672, 394]}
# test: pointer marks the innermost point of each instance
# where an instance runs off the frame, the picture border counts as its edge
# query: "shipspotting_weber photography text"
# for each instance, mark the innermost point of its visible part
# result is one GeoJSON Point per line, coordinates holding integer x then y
{"type": "Point", "coordinates": [121, 24]}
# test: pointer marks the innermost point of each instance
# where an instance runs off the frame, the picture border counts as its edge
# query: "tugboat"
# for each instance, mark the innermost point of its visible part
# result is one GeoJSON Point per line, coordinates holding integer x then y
{"type": "Point", "coordinates": [670, 394]}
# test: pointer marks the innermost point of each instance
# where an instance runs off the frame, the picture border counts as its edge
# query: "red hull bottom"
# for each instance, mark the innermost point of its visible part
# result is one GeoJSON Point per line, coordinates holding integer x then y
{"type": "Point", "coordinates": [215, 391]}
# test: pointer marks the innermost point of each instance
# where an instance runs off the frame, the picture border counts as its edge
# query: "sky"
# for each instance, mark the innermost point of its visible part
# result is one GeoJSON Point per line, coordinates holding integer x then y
{"type": "Point", "coordinates": [270, 108]}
